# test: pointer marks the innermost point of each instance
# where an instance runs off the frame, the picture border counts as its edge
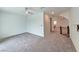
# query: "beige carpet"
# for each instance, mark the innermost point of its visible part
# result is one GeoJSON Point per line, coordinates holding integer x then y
{"type": "Point", "coordinates": [27, 42]}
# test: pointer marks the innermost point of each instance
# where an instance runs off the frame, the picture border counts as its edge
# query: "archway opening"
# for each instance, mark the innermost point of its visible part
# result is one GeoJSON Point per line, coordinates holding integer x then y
{"type": "Point", "coordinates": [59, 24]}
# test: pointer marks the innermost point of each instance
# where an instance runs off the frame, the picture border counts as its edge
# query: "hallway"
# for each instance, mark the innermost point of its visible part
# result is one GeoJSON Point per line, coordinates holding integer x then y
{"type": "Point", "coordinates": [27, 42]}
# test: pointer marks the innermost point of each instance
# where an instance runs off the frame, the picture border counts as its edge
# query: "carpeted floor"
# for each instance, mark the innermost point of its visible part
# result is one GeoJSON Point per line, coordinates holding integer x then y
{"type": "Point", "coordinates": [27, 42]}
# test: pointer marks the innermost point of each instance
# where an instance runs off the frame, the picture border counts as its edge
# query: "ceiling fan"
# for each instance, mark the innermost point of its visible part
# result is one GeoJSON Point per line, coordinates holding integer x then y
{"type": "Point", "coordinates": [28, 11]}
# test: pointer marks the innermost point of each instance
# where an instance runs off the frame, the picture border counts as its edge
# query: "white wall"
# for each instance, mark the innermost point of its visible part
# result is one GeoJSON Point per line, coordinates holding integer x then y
{"type": "Point", "coordinates": [66, 14]}
{"type": "Point", "coordinates": [11, 24]}
{"type": "Point", "coordinates": [35, 24]}
{"type": "Point", "coordinates": [46, 24]}
{"type": "Point", "coordinates": [74, 22]}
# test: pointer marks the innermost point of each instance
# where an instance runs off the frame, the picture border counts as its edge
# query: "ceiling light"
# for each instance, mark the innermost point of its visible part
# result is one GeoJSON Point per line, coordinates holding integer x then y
{"type": "Point", "coordinates": [55, 22]}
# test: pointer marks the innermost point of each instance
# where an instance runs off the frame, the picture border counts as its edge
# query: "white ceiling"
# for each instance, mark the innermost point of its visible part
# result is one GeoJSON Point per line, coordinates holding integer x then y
{"type": "Point", "coordinates": [17, 10]}
{"type": "Point", "coordinates": [56, 10]}
{"type": "Point", "coordinates": [21, 10]}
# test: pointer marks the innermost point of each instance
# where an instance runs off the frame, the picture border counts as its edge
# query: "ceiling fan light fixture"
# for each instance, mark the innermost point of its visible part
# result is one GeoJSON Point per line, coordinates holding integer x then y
{"type": "Point", "coordinates": [29, 12]}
